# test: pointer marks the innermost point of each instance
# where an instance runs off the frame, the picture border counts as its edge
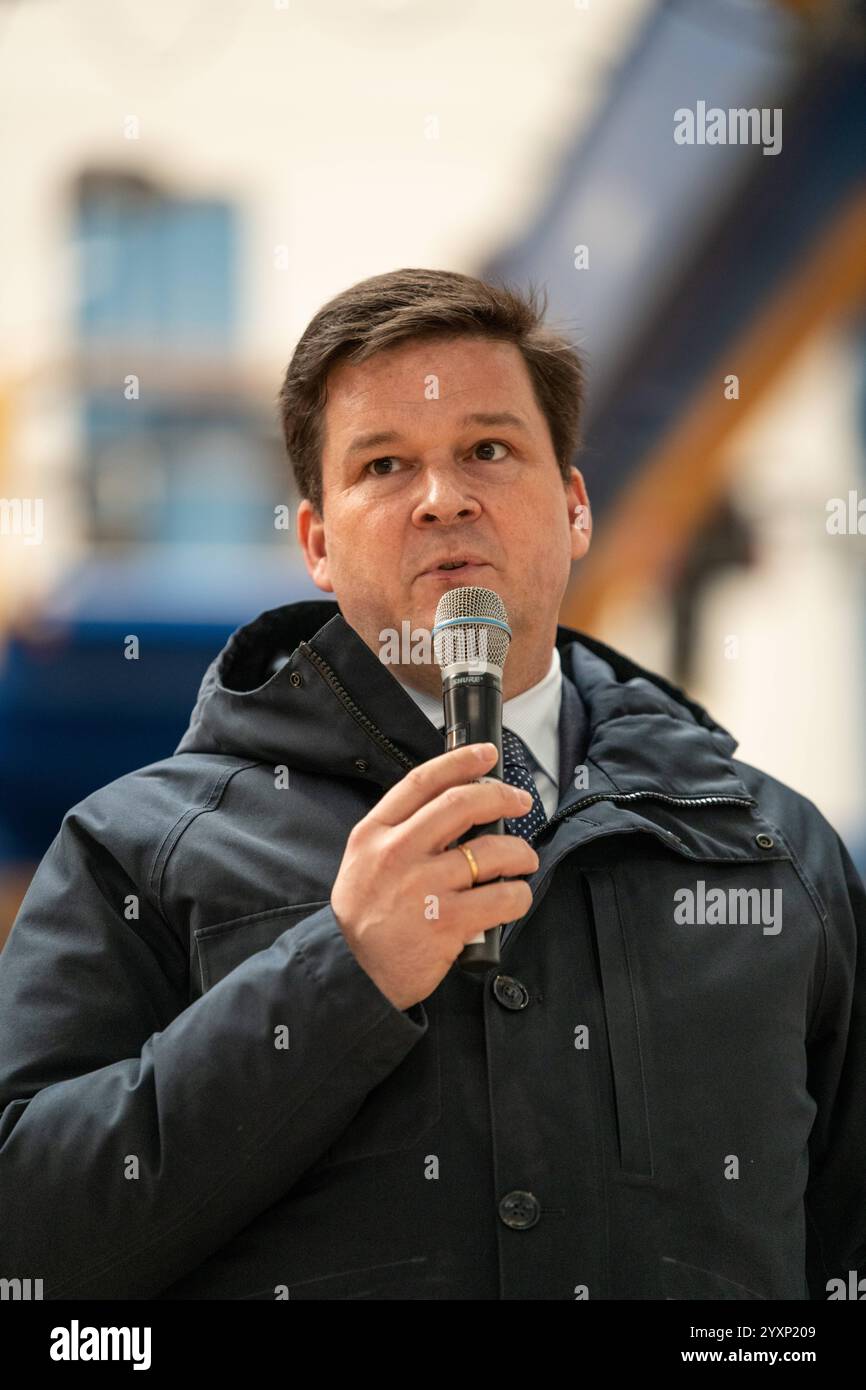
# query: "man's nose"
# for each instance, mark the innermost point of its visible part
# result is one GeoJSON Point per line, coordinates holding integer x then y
{"type": "Point", "coordinates": [445, 497]}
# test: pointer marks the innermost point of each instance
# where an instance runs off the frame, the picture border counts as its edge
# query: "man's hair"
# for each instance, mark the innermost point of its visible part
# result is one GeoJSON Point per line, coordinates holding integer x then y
{"type": "Point", "coordinates": [389, 309]}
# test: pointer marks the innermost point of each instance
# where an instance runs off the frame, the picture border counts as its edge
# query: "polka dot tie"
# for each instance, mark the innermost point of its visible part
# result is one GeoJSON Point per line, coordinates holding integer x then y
{"type": "Point", "coordinates": [515, 770]}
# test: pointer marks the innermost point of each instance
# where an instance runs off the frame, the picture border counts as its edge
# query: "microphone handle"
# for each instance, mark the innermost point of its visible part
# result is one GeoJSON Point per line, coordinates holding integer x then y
{"type": "Point", "coordinates": [472, 703]}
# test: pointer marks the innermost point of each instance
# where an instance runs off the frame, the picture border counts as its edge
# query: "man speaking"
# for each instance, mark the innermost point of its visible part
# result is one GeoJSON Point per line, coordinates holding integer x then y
{"type": "Point", "coordinates": [239, 1056]}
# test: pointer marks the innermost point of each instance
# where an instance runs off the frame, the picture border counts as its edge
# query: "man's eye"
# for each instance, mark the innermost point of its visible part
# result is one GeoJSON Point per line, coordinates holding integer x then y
{"type": "Point", "coordinates": [492, 444]}
{"type": "Point", "coordinates": [388, 458]}
{"type": "Point", "coordinates": [372, 467]}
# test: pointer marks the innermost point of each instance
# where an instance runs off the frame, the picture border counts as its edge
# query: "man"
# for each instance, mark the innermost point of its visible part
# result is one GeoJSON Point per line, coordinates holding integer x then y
{"type": "Point", "coordinates": [238, 1058]}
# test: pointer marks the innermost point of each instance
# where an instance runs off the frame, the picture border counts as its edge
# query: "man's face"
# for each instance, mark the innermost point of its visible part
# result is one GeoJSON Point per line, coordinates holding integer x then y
{"type": "Point", "coordinates": [442, 484]}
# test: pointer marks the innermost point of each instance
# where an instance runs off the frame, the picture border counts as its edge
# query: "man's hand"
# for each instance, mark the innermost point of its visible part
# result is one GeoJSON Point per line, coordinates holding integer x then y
{"type": "Point", "coordinates": [396, 861]}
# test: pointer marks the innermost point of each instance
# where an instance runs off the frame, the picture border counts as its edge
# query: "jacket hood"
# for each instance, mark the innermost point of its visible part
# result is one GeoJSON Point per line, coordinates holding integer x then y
{"type": "Point", "coordinates": [298, 686]}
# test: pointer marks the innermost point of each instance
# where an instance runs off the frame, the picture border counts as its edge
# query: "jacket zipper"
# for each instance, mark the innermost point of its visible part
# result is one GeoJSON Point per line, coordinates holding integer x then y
{"type": "Point", "coordinates": [637, 796]}
{"type": "Point", "coordinates": [355, 710]}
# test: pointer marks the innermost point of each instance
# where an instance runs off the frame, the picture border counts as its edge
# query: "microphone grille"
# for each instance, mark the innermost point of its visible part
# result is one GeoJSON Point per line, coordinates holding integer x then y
{"type": "Point", "coordinates": [471, 626]}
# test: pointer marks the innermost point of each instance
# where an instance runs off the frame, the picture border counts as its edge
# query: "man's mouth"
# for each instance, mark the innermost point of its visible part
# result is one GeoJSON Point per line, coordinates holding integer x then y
{"type": "Point", "coordinates": [452, 566]}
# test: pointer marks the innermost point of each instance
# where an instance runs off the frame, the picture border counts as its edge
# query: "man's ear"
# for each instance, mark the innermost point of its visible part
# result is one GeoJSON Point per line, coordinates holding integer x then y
{"type": "Point", "coordinates": [579, 514]}
{"type": "Point", "coordinates": [311, 535]}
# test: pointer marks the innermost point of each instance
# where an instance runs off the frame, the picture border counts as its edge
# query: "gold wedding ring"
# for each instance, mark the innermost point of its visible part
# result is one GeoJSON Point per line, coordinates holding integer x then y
{"type": "Point", "coordinates": [470, 859]}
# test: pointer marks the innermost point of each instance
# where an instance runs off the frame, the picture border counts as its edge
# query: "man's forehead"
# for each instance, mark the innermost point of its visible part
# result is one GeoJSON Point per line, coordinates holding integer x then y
{"type": "Point", "coordinates": [466, 377]}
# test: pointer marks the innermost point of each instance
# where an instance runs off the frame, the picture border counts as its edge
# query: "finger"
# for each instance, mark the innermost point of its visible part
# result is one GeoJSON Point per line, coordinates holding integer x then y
{"type": "Point", "coordinates": [509, 855]}
{"type": "Point", "coordinates": [428, 780]}
{"type": "Point", "coordinates": [457, 809]}
{"type": "Point", "coordinates": [488, 905]}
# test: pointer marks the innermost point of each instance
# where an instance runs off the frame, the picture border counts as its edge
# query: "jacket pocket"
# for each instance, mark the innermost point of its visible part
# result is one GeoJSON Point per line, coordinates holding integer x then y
{"type": "Point", "coordinates": [395, 1114]}
{"type": "Point", "coordinates": [221, 947]}
{"type": "Point", "coordinates": [623, 1027]}
{"type": "Point", "coordinates": [680, 1280]}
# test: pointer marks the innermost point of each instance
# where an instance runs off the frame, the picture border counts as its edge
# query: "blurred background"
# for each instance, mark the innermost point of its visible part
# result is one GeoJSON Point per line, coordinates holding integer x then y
{"type": "Point", "coordinates": [185, 182]}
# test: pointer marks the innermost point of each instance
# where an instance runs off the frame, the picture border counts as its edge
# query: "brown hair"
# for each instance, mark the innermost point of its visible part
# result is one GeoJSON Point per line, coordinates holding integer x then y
{"type": "Point", "coordinates": [388, 309]}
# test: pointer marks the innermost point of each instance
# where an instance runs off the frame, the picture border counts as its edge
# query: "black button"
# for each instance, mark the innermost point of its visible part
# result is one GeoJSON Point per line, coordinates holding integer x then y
{"type": "Point", "coordinates": [765, 841]}
{"type": "Point", "coordinates": [295, 678]}
{"type": "Point", "coordinates": [510, 993]}
{"type": "Point", "coordinates": [519, 1210]}
{"type": "Point", "coordinates": [361, 764]}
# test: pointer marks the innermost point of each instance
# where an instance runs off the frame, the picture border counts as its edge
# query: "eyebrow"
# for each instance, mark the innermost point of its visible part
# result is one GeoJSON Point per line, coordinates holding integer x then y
{"type": "Point", "coordinates": [362, 442]}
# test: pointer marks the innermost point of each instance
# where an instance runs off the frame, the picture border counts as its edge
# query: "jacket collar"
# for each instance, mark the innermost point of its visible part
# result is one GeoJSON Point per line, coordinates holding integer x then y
{"type": "Point", "coordinates": [333, 708]}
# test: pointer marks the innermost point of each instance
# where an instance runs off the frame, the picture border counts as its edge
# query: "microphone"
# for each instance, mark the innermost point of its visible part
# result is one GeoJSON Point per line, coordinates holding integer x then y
{"type": "Point", "coordinates": [470, 643]}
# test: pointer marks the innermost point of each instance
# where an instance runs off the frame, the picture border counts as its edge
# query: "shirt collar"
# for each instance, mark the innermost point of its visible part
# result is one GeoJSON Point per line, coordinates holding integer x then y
{"type": "Point", "coordinates": [533, 715]}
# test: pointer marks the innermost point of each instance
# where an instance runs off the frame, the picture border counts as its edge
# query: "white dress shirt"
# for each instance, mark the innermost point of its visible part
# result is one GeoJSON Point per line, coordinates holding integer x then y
{"type": "Point", "coordinates": [533, 716]}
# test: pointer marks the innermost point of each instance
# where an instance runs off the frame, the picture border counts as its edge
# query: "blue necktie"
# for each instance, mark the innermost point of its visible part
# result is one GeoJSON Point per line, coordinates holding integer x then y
{"type": "Point", "coordinates": [515, 771]}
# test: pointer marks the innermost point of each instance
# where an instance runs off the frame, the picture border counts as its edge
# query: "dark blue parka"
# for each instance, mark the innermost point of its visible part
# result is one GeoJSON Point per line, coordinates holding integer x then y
{"type": "Point", "coordinates": [203, 1094]}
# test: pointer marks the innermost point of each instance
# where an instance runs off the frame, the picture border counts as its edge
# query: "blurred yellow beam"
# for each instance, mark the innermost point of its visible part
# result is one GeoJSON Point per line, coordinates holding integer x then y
{"type": "Point", "coordinates": [684, 476]}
